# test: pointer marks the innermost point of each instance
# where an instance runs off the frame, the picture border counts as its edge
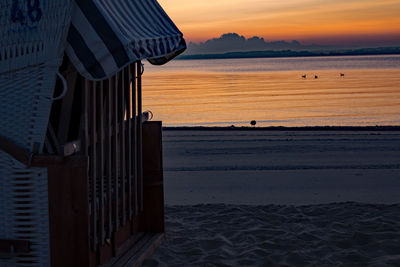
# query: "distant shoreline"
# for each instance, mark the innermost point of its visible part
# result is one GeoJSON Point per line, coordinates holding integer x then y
{"type": "Point", "coordinates": [290, 53]}
{"type": "Point", "coordinates": [283, 128]}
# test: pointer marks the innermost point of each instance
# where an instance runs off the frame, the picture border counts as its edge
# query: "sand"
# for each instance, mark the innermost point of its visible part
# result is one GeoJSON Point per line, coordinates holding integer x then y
{"type": "Point", "coordinates": [262, 167]}
{"type": "Point", "coordinates": [338, 234]}
{"type": "Point", "coordinates": [276, 198]}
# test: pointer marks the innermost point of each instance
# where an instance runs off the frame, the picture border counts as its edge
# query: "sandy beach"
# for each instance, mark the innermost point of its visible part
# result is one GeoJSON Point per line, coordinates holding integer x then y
{"type": "Point", "coordinates": [337, 234]}
{"type": "Point", "coordinates": [297, 167]}
{"type": "Point", "coordinates": [281, 198]}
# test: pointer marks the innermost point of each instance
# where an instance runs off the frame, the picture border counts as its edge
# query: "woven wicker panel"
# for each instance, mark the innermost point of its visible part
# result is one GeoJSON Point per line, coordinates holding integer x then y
{"type": "Point", "coordinates": [32, 32]}
{"type": "Point", "coordinates": [6, 211]}
{"type": "Point", "coordinates": [24, 211]}
{"type": "Point", "coordinates": [25, 105]}
{"type": "Point", "coordinates": [32, 42]}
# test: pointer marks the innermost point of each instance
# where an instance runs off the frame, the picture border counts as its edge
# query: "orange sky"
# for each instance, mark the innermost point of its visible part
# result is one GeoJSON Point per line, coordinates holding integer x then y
{"type": "Point", "coordinates": [322, 21]}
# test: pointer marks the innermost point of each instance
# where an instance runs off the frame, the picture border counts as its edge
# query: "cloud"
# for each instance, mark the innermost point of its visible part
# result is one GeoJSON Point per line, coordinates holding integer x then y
{"type": "Point", "coordinates": [232, 42]}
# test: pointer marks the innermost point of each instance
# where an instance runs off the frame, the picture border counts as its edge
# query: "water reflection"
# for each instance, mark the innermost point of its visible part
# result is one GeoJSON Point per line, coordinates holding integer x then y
{"type": "Point", "coordinates": [279, 98]}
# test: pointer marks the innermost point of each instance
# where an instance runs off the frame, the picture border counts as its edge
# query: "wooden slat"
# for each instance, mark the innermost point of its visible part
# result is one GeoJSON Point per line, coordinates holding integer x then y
{"type": "Point", "coordinates": [128, 147]}
{"type": "Point", "coordinates": [122, 145]}
{"type": "Point", "coordinates": [93, 163]}
{"type": "Point", "coordinates": [139, 136]}
{"type": "Point", "coordinates": [86, 101]}
{"type": "Point", "coordinates": [86, 118]}
{"type": "Point", "coordinates": [100, 144]}
{"type": "Point", "coordinates": [134, 141]}
{"type": "Point", "coordinates": [109, 158]}
{"type": "Point", "coordinates": [115, 153]}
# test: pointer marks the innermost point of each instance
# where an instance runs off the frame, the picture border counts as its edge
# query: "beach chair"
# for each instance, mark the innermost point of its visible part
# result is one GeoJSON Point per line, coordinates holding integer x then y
{"type": "Point", "coordinates": [81, 181]}
{"type": "Point", "coordinates": [32, 43]}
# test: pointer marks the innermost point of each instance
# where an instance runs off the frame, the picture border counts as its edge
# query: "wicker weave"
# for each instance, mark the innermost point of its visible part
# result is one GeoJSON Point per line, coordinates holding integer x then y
{"type": "Point", "coordinates": [30, 54]}
{"type": "Point", "coordinates": [24, 211]}
{"type": "Point", "coordinates": [31, 48]}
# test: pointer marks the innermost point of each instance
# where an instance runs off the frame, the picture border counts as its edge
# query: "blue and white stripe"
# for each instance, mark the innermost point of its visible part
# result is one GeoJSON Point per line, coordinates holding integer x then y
{"type": "Point", "coordinates": [107, 35]}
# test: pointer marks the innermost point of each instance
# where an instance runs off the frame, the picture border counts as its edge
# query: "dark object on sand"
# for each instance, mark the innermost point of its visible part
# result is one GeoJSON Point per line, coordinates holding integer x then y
{"type": "Point", "coordinates": [304, 76]}
{"type": "Point", "coordinates": [341, 74]}
{"type": "Point", "coordinates": [315, 76]}
{"type": "Point", "coordinates": [253, 123]}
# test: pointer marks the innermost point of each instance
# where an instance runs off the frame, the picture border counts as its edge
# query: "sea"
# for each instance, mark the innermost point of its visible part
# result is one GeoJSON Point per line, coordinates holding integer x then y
{"type": "Point", "coordinates": [301, 91]}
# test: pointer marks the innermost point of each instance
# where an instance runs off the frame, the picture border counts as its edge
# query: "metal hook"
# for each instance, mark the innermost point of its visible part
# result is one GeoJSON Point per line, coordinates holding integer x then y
{"type": "Point", "coordinates": [147, 115]}
{"type": "Point", "coordinates": [141, 70]}
{"type": "Point", "coordinates": [65, 88]}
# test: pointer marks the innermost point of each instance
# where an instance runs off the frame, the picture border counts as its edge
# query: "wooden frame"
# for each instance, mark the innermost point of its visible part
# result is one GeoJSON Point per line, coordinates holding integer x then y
{"type": "Point", "coordinates": [105, 178]}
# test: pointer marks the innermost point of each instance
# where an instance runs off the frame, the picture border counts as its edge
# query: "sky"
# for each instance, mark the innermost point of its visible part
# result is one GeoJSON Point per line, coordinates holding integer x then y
{"type": "Point", "coordinates": [308, 21]}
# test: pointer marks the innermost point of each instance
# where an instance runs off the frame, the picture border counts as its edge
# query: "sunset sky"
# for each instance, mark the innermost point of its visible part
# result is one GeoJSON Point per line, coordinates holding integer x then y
{"type": "Point", "coordinates": [308, 21]}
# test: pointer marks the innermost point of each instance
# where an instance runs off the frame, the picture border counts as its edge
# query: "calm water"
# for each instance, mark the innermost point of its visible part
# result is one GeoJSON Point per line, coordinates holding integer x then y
{"type": "Point", "coordinates": [228, 92]}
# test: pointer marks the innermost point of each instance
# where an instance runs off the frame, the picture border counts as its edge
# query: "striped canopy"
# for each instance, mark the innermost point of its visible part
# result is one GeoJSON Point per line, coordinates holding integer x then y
{"type": "Point", "coordinates": [107, 35]}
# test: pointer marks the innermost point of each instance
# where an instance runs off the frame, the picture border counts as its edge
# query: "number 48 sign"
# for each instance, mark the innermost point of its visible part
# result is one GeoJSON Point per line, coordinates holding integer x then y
{"type": "Point", "coordinates": [23, 10]}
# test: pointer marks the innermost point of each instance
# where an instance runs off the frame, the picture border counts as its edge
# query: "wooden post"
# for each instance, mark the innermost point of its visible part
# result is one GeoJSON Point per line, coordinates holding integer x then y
{"type": "Point", "coordinates": [152, 217]}
{"type": "Point", "coordinates": [68, 186]}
